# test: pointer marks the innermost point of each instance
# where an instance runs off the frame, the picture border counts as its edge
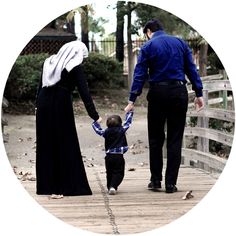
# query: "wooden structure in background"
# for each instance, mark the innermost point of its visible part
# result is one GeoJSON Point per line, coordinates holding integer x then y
{"type": "Point", "coordinates": [216, 108]}
{"type": "Point", "coordinates": [48, 40]}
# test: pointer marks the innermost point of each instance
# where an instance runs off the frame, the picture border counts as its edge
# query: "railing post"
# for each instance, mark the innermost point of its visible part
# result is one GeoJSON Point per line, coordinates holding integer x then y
{"type": "Point", "coordinates": [225, 92]}
{"type": "Point", "coordinates": [203, 122]}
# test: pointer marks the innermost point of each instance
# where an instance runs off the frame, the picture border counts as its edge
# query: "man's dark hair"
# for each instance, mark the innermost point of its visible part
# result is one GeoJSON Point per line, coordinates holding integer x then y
{"type": "Point", "coordinates": [114, 121]}
{"type": "Point", "coordinates": [154, 25]}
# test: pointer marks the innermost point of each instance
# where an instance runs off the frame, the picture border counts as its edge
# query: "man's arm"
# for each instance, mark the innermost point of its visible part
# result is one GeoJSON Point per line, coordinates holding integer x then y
{"type": "Point", "coordinates": [193, 76]}
{"type": "Point", "coordinates": [192, 73]}
{"type": "Point", "coordinates": [139, 78]}
{"type": "Point", "coordinates": [140, 75]}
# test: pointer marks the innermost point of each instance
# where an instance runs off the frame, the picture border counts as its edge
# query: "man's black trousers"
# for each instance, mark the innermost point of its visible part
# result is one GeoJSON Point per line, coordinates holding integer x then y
{"type": "Point", "coordinates": [167, 104]}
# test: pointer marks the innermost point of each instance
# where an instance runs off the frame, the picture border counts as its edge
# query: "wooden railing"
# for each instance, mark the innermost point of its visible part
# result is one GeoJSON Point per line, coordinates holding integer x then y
{"type": "Point", "coordinates": [216, 108]}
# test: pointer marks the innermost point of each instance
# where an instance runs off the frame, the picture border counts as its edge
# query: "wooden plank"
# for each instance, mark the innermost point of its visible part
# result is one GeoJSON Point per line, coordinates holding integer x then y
{"type": "Point", "coordinates": [217, 85]}
{"type": "Point", "coordinates": [134, 209]}
{"type": "Point", "coordinates": [220, 114]}
{"type": "Point", "coordinates": [207, 78]}
{"type": "Point", "coordinates": [210, 161]}
{"type": "Point", "coordinates": [212, 101]}
{"type": "Point", "coordinates": [210, 134]}
{"type": "Point", "coordinates": [212, 77]}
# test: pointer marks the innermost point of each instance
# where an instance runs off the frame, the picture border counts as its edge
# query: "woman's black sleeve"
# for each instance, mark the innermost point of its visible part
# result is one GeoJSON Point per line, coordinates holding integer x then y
{"type": "Point", "coordinates": [81, 83]}
{"type": "Point", "coordinates": [39, 87]}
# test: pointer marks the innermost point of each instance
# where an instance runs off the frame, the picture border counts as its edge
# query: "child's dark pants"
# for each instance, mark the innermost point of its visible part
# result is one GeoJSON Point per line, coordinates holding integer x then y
{"type": "Point", "coordinates": [115, 169]}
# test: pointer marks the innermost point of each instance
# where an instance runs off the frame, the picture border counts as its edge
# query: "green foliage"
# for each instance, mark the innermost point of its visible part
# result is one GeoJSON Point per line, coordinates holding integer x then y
{"type": "Point", "coordinates": [171, 23]}
{"type": "Point", "coordinates": [215, 63]}
{"type": "Point", "coordinates": [23, 80]}
{"type": "Point", "coordinates": [24, 77]}
{"type": "Point", "coordinates": [103, 71]}
{"type": "Point", "coordinates": [96, 25]}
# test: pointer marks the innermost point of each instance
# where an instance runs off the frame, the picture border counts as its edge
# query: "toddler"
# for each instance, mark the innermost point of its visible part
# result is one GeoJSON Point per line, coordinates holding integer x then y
{"type": "Point", "coordinates": [115, 146]}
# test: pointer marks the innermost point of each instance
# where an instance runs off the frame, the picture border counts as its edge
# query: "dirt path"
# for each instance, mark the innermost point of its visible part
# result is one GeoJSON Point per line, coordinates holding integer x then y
{"type": "Point", "coordinates": [20, 147]}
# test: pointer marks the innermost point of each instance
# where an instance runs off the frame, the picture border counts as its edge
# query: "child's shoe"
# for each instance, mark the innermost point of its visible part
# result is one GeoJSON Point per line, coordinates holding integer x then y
{"type": "Point", "coordinates": [112, 191]}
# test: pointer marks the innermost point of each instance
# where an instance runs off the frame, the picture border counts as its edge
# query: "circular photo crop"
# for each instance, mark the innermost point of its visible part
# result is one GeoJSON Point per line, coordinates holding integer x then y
{"type": "Point", "coordinates": [118, 118]}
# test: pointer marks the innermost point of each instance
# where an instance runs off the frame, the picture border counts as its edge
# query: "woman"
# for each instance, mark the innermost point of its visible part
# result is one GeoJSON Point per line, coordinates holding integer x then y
{"type": "Point", "coordinates": [59, 166]}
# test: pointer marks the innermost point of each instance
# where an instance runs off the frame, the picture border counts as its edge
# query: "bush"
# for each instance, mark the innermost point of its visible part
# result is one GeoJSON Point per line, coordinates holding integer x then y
{"type": "Point", "coordinates": [24, 77]}
{"type": "Point", "coordinates": [214, 63]}
{"type": "Point", "coordinates": [103, 71]}
{"type": "Point", "coordinates": [22, 83]}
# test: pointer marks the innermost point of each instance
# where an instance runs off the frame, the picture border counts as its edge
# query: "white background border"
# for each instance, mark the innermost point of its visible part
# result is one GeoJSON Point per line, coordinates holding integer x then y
{"type": "Point", "coordinates": [20, 21]}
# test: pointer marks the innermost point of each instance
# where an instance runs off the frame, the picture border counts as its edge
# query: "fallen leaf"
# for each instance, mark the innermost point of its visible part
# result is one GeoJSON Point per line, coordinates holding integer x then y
{"type": "Point", "coordinates": [31, 178]}
{"type": "Point", "coordinates": [90, 165]}
{"type": "Point", "coordinates": [188, 195]}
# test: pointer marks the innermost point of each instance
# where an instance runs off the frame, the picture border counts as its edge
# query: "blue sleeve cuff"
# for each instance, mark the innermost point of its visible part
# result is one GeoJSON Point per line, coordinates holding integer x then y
{"type": "Point", "coordinates": [198, 93]}
{"type": "Point", "coordinates": [132, 97]}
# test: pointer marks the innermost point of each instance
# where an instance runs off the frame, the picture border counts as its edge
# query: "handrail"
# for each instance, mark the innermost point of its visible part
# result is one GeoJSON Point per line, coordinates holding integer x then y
{"type": "Point", "coordinates": [212, 134]}
{"type": "Point", "coordinates": [216, 113]}
{"type": "Point", "coordinates": [215, 83]}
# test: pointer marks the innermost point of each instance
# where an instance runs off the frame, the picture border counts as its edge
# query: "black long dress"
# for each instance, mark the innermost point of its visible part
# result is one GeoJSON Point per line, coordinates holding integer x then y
{"type": "Point", "coordinates": [59, 164]}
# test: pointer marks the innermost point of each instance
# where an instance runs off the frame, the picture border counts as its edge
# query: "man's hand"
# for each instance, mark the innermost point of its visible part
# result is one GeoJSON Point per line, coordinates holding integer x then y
{"type": "Point", "coordinates": [129, 107]}
{"type": "Point", "coordinates": [199, 103]}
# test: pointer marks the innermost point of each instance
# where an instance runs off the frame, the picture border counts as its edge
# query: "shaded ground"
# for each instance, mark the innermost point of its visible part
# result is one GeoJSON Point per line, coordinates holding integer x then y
{"type": "Point", "coordinates": [20, 145]}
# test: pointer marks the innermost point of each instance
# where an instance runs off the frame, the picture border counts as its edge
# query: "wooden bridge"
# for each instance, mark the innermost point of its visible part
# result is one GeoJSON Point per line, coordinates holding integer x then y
{"type": "Point", "coordinates": [135, 209]}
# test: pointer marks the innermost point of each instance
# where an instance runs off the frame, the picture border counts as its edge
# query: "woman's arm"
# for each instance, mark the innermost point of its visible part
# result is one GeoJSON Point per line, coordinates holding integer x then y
{"type": "Point", "coordinates": [81, 83]}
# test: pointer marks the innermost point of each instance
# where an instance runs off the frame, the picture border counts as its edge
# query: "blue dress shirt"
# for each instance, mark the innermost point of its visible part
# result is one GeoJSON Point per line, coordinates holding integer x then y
{"type": "Point", "coordinates": [164, 57]}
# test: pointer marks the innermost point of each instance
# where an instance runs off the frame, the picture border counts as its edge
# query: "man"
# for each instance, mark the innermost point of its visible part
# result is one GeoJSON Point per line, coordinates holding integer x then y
{"type": "Point", "coordinates": [164, 61]}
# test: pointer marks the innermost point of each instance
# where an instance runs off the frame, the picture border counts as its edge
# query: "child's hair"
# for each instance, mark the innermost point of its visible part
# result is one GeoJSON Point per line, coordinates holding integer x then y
{"type": "Point", "coordinates": [114, 121]}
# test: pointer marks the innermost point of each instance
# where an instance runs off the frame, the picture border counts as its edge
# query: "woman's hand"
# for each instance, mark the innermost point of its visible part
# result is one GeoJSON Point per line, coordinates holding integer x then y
{"type": "Point", "coordinates": [99, 120]}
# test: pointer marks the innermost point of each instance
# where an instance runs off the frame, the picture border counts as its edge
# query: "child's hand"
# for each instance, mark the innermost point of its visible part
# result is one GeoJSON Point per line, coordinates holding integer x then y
{"type": "Point", "coordinates": [99, 120]}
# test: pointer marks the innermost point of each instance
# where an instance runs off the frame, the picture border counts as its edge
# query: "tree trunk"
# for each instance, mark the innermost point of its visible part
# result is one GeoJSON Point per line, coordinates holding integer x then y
{"type": "Point", "coordinates": [120, 31]}
{"type": "Point", "coordinates": [203, 59]}
{"type": "Point", "coordinates": [84, 26]}
{"type": "Point", "coordinates": [71, 26]}
{"type": "Point", "coordinates": [129, 46]}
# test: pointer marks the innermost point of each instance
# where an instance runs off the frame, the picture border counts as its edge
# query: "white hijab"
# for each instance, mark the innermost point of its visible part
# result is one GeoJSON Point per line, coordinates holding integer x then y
{"type": "Point", "coordinates": [70, 55]}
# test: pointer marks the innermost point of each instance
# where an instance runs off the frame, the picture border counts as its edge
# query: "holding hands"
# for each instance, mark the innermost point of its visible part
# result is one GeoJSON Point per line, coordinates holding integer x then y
{"type": "Point", "coordinates": [129, 107]}
{"type": "Point", "coordinates": [99, 120]}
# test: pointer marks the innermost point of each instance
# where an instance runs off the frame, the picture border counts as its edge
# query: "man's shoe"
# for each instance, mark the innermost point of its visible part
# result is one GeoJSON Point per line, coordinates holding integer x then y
{"type": "Point", "coordinates": [171, 188]}
{"type": "Point", "coordinates": [154, 185]}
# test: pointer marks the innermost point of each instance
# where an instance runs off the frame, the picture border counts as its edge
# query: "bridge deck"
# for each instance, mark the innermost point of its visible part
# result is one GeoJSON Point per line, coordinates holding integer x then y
{"type": "Point", "coordinates": [134, 209]}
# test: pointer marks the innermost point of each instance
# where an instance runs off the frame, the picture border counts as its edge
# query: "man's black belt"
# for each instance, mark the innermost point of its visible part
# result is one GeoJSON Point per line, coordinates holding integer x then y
{"type": "Point", "coordinates": [167, 82]}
